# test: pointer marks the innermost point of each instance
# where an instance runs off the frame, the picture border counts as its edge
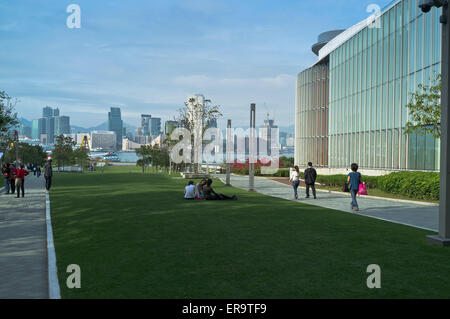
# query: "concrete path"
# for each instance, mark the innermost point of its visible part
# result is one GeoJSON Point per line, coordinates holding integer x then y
{"type": "Point", "coordinates": [420, 216]}
{"type": "Point", "coordinates": [23, 243]}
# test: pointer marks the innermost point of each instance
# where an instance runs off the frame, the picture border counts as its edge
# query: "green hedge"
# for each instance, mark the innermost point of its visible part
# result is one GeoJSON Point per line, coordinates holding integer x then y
{"type": "Point", "coordinates": [418, 185]}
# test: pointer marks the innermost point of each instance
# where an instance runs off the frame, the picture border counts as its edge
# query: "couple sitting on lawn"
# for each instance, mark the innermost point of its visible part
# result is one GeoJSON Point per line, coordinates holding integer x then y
{"type": "Point", "coordinates": [203, 190]}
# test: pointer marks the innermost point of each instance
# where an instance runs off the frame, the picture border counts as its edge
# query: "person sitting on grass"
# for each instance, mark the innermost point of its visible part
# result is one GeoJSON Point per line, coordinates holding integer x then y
{"type": "Point", "coordinates": [189, 191]}
{"type": "Point", "coordinates": [199, 189]}
{"type": "Point", "coordinates": [210, 194]}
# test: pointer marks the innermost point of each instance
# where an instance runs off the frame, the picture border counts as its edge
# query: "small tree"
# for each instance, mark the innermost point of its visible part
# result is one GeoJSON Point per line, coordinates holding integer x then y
{"type": "Point", "coordinates": [186, 117]}
{"type": "Point", "coordinates": [8, 119]}
{"type": "Point", "coordinates": [425, 109]}
{"type": "Point", "coordinates": [146, 152]}
{"type": "Point", "coordinates": [81, 157]}
{"type": "Point", "coordinates": [63, 152]}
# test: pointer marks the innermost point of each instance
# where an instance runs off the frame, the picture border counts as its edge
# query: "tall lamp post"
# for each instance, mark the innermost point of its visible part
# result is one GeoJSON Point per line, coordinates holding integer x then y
{"type": "Point", "coordinates": [251, 150]}
{"type": "Point", "coordinates": [443, 238]}
{"type": "Point", "coordinates": [228, 153]}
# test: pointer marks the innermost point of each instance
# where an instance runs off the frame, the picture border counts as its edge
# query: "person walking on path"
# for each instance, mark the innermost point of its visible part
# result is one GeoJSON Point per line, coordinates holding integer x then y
{"type": "Point", "coordinates": [354, 179]}
{"type": "Point", "coordinates": [38, 171]}
{"type": "Point", "coordinates": [20, 180]}
{"type": "Point", "coordinates": [310, 180]}
{"type": "Point", "coordinates": [5, 174]}
{"type": "Point", "coordinates": [48, 174]}
{"type": "Point", "coordinates": [12, 178]}
{"type": "Point", "coordinates": [295, 180]}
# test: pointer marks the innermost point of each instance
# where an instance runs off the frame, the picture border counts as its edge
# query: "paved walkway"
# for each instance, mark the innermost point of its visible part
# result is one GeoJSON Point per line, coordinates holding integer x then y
{"type": "Point", "coordinates": [23, 243]}
{"type": "Point", "coordinates": [420, 216]}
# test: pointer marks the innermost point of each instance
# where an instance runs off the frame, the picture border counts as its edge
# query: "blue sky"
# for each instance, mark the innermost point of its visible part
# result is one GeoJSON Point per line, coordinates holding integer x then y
{"type": "Point", "coordinates": [147, 56]}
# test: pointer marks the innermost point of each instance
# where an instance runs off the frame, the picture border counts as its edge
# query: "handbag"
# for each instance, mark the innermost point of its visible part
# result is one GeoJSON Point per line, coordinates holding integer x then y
{"type": "Point", "coordinates": [345, 188]}
{"type": "Point", "coordinates": [362, 189]}
{"type": "Point", "coordinates": [18, 182]}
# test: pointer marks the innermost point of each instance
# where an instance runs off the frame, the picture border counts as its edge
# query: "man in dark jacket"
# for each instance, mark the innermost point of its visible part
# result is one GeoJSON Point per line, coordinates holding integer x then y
{"type": "Point", "coordinates": [310, 180]}
{"type": "Point", "coordinates": [48, 174]}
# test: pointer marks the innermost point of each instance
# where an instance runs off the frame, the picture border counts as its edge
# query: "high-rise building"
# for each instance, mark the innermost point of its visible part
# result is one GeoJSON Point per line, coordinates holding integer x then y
{"type": "Point", "coordinates": [169, 126]}
{"type": "Point", "coordinates": [37, 128]}
{"type": "Point", "coordinates": [351, 105]}
{"type": "Point", "coordinates": [47, 112]}
{"type": "Point", "coordinates": [145, 124]}
{"type": "Point", "coordinates": [25, 131]}
{"type": "Point", "coordinates": [105, 140]}
{"type": "Point", "coordinates": [155, 126]}
{"type": "Point", "coordinates": [267, 127]}
{"type": "Point", "coordinates": [56, 112]}
{"type": "Point", "coordinates": [50, 129]}
{"type": "Point", "coordinates": [115, 124]}
{"type": "Point", "coordinates": [62, 125]}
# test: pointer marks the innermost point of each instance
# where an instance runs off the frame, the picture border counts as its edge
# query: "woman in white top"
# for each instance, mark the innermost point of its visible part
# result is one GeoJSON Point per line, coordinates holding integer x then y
{"type": "Point", "coordinates": [295, 180]}
{"type": "Point", "coordinates": [189, 191]}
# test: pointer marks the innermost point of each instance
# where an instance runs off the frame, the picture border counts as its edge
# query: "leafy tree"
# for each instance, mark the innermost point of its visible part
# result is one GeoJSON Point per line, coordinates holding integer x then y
{"type": "Point", "coordinates": [81, 157]}
{"type": "Point", "coordinates": [146, 152]}
{"type": "Point", "coordinates": [425, 109]}
{"type": "Point", "coordinates": [185, 118]}
{"type": "Point", "coordinates": [8, 119]}
{"type": "Point", "coordinates": [63, 153]}
{"type": "Point", "coordinates": [28, 153]}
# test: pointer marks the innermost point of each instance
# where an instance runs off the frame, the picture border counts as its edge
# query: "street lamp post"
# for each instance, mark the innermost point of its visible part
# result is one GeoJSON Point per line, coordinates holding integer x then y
{"type": "Point", "coordinates": [443, 238]}
{"type": "Point", "coordinates": [227, 183]}
{"type": "Point", "coordinates": [251, 150]}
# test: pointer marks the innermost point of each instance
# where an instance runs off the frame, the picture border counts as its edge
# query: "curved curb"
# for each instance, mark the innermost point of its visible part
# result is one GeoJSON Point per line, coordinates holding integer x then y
{"type": "Point", "coordinates": [53, 284]}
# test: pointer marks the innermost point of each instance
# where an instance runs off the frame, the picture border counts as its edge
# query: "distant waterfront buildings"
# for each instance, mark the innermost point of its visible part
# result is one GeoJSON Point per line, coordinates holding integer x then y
{"type": "Point", "coordinates": [50, 125]}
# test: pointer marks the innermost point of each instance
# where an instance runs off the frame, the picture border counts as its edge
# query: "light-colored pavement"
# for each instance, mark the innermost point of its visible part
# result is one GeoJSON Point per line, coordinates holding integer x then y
{"type": "Point", "coordinates": [420, 216]}
{"type": "Point", "coordinates": [23, 243]}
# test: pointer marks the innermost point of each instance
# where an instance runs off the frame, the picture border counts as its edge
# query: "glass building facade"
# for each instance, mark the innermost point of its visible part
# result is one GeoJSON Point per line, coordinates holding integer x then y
{"type": "Point", "coordinates": [371, 76]}
{"type": "Point", "coordinates": [312, 111]}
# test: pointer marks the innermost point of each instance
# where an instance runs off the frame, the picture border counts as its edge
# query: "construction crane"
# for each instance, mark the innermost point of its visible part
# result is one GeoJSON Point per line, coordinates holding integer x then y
{"type": "Point", "coordinates": [84, 142]}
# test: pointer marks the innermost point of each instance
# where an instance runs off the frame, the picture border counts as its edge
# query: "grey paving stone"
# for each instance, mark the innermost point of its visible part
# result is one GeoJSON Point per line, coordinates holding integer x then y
{"type": "Point", "coordinates": [426, 217]}
{"type": "Point", "coordinates": [23, 243]}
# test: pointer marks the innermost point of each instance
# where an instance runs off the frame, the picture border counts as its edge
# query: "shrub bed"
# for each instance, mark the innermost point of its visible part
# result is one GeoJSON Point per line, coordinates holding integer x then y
{"type": "Point", "coordinates": [419, 185]}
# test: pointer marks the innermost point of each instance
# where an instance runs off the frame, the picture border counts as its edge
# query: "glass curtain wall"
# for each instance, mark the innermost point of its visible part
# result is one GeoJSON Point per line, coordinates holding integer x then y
{"type": "Point", "coordinates": [311, 114]}
{"type": "Point", "coordinates": [371, 76]}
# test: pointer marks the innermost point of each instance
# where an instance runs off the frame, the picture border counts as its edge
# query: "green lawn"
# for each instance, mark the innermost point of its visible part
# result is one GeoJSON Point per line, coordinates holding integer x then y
{"type": "Point", "coordinates": [134, 236]}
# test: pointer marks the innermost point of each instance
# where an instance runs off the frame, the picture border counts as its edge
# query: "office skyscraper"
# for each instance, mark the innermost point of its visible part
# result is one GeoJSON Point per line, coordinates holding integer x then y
{"type": "Point", "coordinates": [47, 112]}
{"type": "Point", "coordinates": [145, 124]}
{"type": "Point", "coordinates": [62, 125]}
{"type": "Point", "coordinates": [115, 124]}
{"type": "Point", "coordinates": [155, 126]}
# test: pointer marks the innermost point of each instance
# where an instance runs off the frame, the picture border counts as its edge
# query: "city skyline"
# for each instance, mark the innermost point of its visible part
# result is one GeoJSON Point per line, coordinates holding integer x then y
{"type": "Point", "coordinates": [237, 54]}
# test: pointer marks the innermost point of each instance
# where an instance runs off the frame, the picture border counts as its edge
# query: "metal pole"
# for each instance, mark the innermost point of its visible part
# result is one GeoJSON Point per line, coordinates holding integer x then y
{"type": "Point", "coordinates": [251, 171]}
{"type": "Point", "coordinates": [443, 238]}
{"type": "Point", "coordinates": [16, 141]}
{"type": "Point", "coordinates": [227, 183]}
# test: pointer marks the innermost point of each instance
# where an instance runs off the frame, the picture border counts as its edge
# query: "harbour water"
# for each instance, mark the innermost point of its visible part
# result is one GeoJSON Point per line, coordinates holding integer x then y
{"type": "Point", "coordinates": [131, 157]}
{"type": "Point", "coordinates": [124, 157]}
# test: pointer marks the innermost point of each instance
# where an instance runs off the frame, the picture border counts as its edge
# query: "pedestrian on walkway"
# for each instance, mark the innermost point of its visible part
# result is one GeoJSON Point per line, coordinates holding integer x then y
{"type": "Point", "coordinates": [48, 174]}
{"type": "Point", "coordinates": [20, 180]}
{"type": "Point", "coordinates": [5, 174]}
{"type": "Point", "coordinates": [38, 171]}
{"type": "Point", "coordinates": [310, 180]}
{"type": "Point", "coordinates": [295, 180]}
{"type": "Point", "coordinates": [12, 177]}
{"type": "Point", "coordinates": [354, 179]}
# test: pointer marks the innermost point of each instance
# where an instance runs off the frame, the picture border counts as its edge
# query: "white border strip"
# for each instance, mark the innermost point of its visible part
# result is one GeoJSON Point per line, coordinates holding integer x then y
{"type": "Point", "coordinates": [53, 284]}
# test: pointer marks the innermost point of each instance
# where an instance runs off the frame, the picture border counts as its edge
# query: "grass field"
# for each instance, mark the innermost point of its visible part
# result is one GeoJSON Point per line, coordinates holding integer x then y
{"type": "Point", "coordinates": [134, 236]}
